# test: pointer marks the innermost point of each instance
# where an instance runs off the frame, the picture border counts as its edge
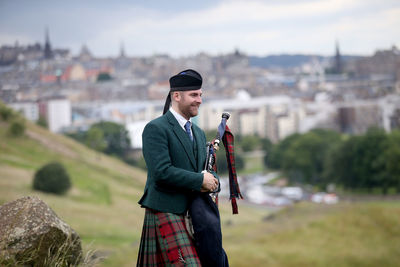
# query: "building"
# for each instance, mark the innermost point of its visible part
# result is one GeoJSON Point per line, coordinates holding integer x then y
{"type": "Point", "coordinates": [135, 131]}
{"type": "Point", "coordinates": [274, 117]}
{"type": "Point", "coordinates": [57, 112]}
{"type": "Point", "coordinates": [29, 110]}
{"type": "Point", "coordinates": [357, 116]}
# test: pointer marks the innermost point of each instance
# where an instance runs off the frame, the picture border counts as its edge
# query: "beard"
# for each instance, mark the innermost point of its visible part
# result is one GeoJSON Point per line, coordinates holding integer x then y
{"type": "Point", "coordinates": [189, 110]}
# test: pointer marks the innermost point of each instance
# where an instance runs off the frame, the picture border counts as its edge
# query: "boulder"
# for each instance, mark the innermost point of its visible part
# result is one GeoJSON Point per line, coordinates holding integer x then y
{"type": "Point", "coordinates": [32, 234]}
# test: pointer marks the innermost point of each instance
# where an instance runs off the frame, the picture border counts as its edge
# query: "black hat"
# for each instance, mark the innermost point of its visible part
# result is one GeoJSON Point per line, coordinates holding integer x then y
{"type": "Point", "coordinates": [186, 80]}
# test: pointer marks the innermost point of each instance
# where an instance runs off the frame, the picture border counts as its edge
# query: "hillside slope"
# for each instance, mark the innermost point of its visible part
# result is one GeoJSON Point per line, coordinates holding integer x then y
{"type": "Point", "coordinates": [102, 204]}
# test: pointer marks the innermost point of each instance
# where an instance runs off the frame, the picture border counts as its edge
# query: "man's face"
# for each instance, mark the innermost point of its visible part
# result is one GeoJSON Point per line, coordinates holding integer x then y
{"type": "Point", "coordinates": [189, 102]}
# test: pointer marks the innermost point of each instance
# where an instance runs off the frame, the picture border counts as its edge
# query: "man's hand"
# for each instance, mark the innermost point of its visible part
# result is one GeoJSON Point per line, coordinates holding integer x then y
{"type": "Point", "coordinates": [210, 183]}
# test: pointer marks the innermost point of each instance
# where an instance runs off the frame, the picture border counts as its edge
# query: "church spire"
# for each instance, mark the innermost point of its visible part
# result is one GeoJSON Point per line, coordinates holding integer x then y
{"type": "Point", "coordinates": [48, 54]}
{"type": "Point", "coordinates": [122, 51]}
{"type": "Point", "coordinates": [338, 60]}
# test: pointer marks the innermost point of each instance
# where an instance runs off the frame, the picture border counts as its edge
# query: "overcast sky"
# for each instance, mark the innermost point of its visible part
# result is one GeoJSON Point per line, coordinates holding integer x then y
{"type": "Point", "coordinates": [182, 28]}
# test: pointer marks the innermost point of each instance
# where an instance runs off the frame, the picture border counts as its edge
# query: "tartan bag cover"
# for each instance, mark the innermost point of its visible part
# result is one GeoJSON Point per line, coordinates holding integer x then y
{"type": "Point", "coordinates": [165, 241]}
{"type": "Point", "coordinates": [234, 190]}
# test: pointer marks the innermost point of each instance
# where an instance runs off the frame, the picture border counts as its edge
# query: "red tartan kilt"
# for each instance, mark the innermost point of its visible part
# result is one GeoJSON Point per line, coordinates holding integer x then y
{"type": "Point", "coordinates": [165, 241]}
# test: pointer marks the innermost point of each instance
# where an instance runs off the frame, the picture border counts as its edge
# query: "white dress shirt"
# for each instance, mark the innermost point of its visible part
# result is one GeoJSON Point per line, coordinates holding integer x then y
{"type": "Point", "coordinates": [181, 120]}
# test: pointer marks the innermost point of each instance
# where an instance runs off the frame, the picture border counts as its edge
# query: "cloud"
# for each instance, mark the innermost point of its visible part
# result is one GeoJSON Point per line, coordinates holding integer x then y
{"type": "Point", "coordinates": [264, 11]}
{"type": "Point", "coordinates": [256, 27]}
{"type": "Point", "coordinates": [364, 34]}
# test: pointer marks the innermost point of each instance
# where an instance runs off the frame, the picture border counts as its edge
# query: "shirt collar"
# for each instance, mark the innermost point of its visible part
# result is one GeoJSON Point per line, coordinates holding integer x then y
{"type": "Point", "coordinates": [181, 120]}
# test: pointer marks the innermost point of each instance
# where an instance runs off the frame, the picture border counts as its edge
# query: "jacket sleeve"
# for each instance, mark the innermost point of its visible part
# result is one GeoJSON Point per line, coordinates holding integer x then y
{"type": "Point", "coordinates": [159, 164]}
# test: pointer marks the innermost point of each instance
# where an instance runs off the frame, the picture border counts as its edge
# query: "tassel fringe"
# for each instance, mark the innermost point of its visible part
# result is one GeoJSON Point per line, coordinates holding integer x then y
{"type": "Point", "coordinates": [234, 206]}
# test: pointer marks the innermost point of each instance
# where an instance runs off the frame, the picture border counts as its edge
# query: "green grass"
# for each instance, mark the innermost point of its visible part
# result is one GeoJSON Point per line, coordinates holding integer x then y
{"type": "Point", "coordinates": [362, 234]}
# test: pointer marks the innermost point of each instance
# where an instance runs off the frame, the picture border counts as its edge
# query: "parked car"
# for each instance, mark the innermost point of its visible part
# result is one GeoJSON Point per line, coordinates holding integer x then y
{"type": "Point", "coordinates": [322, 197]}
{"type": "Point", "coordinates": [294, 193]}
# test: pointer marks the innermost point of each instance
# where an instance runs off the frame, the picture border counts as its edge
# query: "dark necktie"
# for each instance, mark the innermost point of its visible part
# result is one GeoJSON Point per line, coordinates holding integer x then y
{"type": "Point", "coordinates": [187, 128]}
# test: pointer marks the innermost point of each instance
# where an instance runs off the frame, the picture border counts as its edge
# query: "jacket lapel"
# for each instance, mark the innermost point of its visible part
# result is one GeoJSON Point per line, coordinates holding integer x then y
{"type": "Point", "coordinates": [182, 137]}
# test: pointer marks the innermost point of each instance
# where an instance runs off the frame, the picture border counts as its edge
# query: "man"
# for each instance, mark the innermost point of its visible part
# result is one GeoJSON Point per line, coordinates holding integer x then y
{"type": "Point", "coordinates": [174, 151]}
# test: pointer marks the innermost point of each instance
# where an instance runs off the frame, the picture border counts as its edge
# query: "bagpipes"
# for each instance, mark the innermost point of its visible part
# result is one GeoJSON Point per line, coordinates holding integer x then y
{"type": "Point", "coordinates": [203, 209]}
{"type": "Point", "coordinates": [226, 135]}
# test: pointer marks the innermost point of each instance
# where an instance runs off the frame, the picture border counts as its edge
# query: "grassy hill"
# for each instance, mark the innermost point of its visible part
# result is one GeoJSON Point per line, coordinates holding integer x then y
{"type": "Point", "coordinates": [102, 207]}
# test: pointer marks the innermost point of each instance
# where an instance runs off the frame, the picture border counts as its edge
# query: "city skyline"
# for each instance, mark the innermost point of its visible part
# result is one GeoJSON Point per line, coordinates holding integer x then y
{"type": "Point", "coordinates": [178, 29]}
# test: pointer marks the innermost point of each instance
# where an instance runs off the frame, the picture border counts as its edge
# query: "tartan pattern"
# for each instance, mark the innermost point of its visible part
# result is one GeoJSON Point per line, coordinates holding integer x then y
{"type": "Point", "coordinates": [214, 154]}
{"type": "Point", "coordinates": [165, 241]}
{"type": "Point", "coordinates": [228, 141]}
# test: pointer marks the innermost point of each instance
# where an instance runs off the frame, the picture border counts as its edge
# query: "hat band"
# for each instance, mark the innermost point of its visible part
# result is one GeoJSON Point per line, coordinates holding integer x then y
{"type": "Point", "coordinates": [185, 88]}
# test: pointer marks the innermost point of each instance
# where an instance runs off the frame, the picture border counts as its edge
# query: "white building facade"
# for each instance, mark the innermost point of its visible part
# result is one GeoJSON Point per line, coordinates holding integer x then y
{"type": "Point", "coordinates": [29, 110]}
{"type": "Point", "coordinates": [58, 113]}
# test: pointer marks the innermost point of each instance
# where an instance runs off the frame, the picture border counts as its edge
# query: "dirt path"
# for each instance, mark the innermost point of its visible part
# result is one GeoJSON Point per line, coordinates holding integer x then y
{"type": "Point", "coordinates": [52, 145]}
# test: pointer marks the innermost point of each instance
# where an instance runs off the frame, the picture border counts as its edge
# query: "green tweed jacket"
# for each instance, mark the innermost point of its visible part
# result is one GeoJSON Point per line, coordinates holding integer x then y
{"type": "Point", "coordinates": [174, 164]}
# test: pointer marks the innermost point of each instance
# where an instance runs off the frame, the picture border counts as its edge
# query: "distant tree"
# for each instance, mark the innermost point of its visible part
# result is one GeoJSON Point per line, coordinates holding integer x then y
{"type": "Point", "coordinates": [103, 76]}
{"type": "Point", "coordinates": [304, 158]}
{"type": "Point", "coordinates": [79, 136]}
{"type": "Point", "coordinates": [17, 128]}
{"type": "Point", "coordinates": [52, 178]}
{"type": "Point", "coordinates": [392, 160]}
{"type": "Point", "coordinates": [339, 165]}
{"type": "Point", "coordinates": [362, 162]}
{"type": "Point", "coordinates": [239, 162]}
{"type": "Point", "coordinates": [275, 156]}
{"type": "Point", "coordinates": [6, 113]}
{"type": "Point", "coordinates": [95, 139]}
{"type": "Point", "coordinates": [266, 144]}
{"type": "Point", "coordinates": [369, 165]}
{"type": "Point", "coordinates": [249, 143]}
{"type": "Point", "coordinates": [115, 136]}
